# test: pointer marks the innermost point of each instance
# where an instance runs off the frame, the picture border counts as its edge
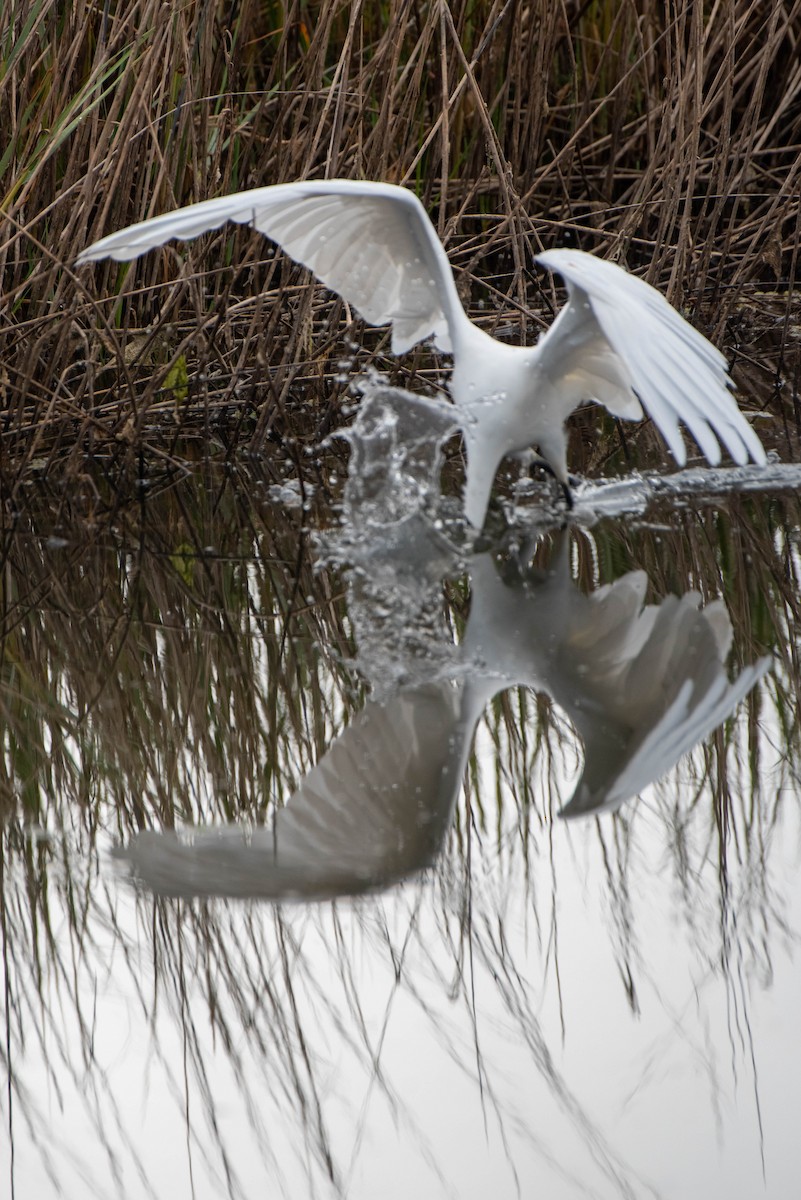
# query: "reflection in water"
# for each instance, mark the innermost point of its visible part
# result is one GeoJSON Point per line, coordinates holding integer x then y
{"type": "Point", "coordinates": [595, 1008]}
{"type": "Point", "coordinates": [641, 684]}
{"type": "Point", "coordinates": [375, 809]}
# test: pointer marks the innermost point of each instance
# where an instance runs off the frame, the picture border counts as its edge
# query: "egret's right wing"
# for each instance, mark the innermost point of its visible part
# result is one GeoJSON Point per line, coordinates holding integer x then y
{"type": "Point", "coordinates": [621, 341]}
{"type": "Point", "coordinates": [372, 243]}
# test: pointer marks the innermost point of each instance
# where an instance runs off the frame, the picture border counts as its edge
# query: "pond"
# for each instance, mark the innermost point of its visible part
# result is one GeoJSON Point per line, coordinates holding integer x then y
{"type": "Point", "coordinates": [344, 854]}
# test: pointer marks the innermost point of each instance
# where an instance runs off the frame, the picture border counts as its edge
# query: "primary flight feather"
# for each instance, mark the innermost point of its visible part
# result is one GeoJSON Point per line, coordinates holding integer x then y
{"type": "Point", "coordinates": [617, 341]}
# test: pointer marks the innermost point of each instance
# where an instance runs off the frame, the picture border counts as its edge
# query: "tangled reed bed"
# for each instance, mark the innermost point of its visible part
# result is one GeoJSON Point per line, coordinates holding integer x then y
{"type": "Point", "coordinates": [669, 138]}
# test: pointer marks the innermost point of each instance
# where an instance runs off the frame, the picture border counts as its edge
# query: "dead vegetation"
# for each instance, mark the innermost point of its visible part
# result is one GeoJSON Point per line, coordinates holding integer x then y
{"type": "Point", "coordinates": [669, 139]}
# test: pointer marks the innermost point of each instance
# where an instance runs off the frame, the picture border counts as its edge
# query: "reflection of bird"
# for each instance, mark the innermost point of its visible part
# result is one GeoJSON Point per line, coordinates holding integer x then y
{"type": "Point", "coordinates": [617, 341]}
{"type": "Point", "coordinates": [642, 686]}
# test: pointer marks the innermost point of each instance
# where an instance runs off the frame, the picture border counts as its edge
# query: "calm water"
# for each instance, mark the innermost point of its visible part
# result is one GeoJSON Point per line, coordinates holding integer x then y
{"type": "Point", "coordinates": [288, 904]}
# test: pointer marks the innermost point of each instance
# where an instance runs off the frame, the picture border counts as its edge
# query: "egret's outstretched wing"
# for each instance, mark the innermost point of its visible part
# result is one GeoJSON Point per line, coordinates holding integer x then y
{"type": "Point", "coordinates": [619, 341]}
{"type": "Point", "coordinates": [372, 243]}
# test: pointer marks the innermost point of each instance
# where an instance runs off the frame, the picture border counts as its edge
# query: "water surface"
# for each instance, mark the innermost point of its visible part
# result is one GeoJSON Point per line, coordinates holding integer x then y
{"type": "Point", "coordinates": [288, 904]}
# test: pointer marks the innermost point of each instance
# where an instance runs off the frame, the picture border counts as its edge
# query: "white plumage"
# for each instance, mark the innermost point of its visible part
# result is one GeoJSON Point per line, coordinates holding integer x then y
{"type": "Point", "coordinates": [617, 341]}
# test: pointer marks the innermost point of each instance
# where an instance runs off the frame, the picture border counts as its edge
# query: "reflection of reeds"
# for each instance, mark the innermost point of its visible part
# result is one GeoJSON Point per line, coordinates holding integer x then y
{"type": "Point", "coordinates": [186, 664]}
{"type": "Point", "coordinates": [216, 609]}
{"type": "Point", "coordinates": [672, 144]}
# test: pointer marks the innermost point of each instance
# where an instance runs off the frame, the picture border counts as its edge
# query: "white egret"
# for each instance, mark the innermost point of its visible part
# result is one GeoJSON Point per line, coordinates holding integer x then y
{"type": "Point", "coordinates": [617, 341]}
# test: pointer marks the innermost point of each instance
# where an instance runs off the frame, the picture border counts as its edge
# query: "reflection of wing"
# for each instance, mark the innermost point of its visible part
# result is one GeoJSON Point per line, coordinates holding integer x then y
{"type": "Point", "coordinates": [372, 243]}
{"type": "Point", "coordinates": [641, 685]}
{"type": "Point", "coordinates": [538, 628]}
{"type": "Point", "coordinates": [646, 706]}
{"type": "Point", "coordinates": [617, 340]}
{"type": "Point", "coordinates": [372, 812]}
{"type": "Point", "coordinates": [694, 714]}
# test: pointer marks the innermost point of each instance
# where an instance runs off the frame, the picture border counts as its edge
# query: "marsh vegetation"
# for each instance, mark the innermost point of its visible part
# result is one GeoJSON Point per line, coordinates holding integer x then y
{"type": "Point", "coordinates": [670, 145]}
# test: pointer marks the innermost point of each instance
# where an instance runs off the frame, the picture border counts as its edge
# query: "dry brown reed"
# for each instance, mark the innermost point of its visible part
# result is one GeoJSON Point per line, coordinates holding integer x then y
{"type": "Point", "coordinates": [665, 137]}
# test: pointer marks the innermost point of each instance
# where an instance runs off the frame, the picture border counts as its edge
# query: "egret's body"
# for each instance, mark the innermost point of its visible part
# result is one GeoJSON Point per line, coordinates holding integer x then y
{"type": "Point", "coordinates": [507, 405]}
{"type": "Point", "coordinates": [617, 341]}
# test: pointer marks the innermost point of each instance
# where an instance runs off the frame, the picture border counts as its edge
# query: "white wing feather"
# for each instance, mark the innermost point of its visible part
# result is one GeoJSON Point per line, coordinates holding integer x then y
{"type": "Point", "coordinates": [653, 355]}
{"type": "Point", "coordinates": [372, 243]}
